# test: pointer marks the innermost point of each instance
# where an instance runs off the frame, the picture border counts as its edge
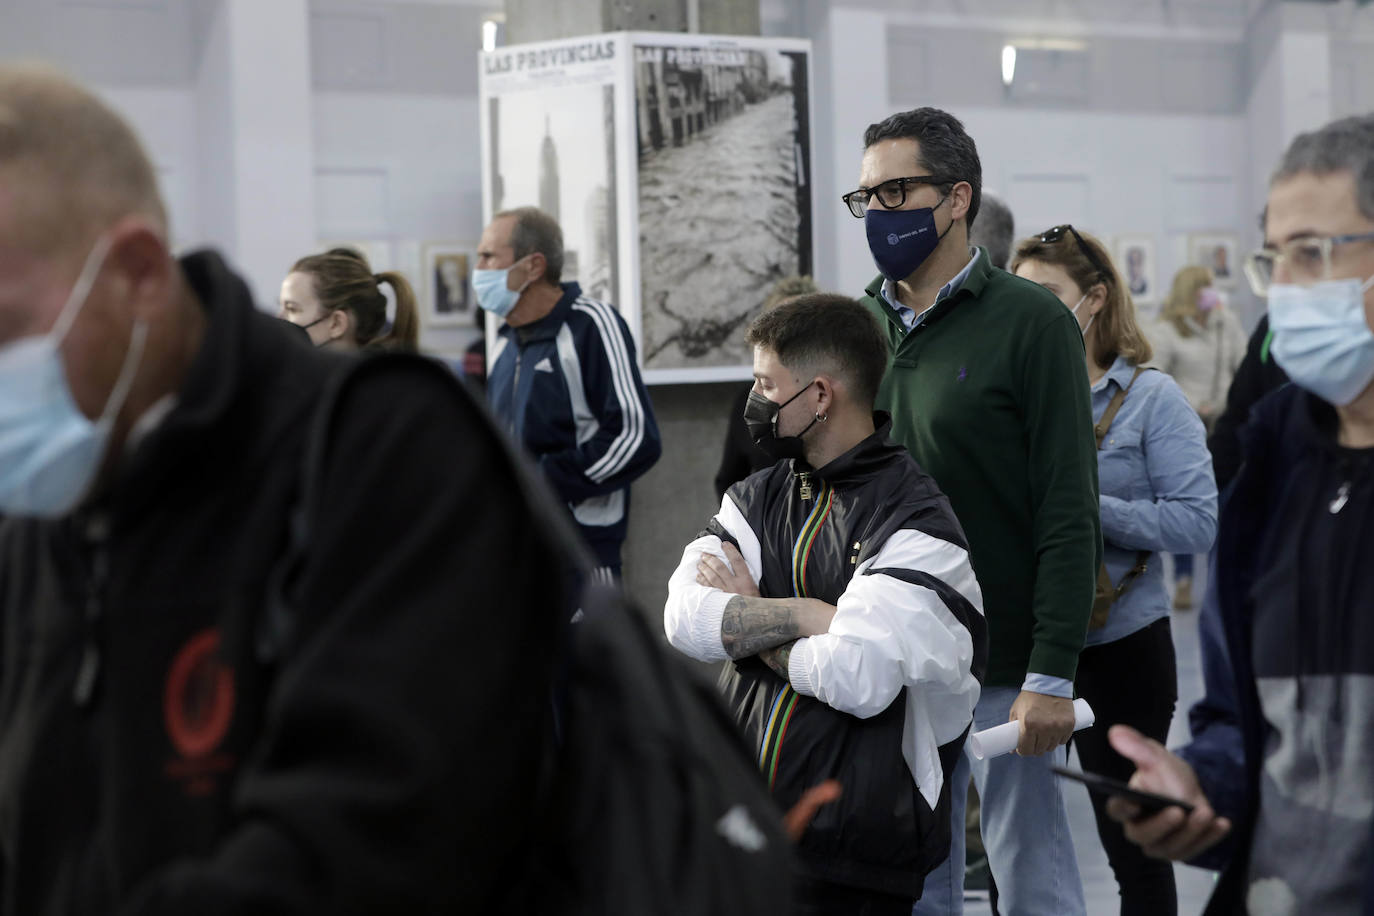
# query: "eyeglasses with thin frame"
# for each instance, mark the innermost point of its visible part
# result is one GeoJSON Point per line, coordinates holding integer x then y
{"type": "Point", "coordinates": [1053, 235]}
{"type": "Point", "coordinates": [891, 194]}
{"type": "Point", "coordinates": [1307, 258]}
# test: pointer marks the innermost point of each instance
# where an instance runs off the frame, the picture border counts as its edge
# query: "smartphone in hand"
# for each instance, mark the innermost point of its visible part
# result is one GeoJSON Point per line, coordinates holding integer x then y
{"type": "Point", "coordinates": [1149, 802]}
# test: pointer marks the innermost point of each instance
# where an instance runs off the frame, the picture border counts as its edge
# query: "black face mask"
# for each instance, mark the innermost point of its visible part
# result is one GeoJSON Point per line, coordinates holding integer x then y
{"type": "Point", "coordinates": [307, 327]}
{"type": "Point", "coordinates": [761, 417]}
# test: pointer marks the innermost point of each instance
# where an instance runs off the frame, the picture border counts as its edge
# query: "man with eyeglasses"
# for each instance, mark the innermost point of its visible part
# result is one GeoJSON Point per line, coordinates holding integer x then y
{"type": "Point", "coordinates": [988, 390]}
{"type": "Point", "coordinates": [1282, 756]}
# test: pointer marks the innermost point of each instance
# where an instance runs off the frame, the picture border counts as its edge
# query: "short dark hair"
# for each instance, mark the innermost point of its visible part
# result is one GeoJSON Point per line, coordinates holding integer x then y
{"type": "Point", "coordinates": [535, 230]}
{"type": "Point", "coordinates": [1346, 145]}
{"type": "Point", "coordinates": [826, 331]}
{"type": "Point", "coordinates": [946, 149]}
{"type": "Point", "coordinates": [995, 232]}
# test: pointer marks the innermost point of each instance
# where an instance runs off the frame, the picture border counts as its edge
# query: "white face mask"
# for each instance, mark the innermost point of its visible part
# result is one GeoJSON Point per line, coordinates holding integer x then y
{"type": "Point", "coordinates": [1091, 318]}
{"type": "Point", "coordinates": [1322, 338]}
{"type": "Point", "coordinates": [49, 450]}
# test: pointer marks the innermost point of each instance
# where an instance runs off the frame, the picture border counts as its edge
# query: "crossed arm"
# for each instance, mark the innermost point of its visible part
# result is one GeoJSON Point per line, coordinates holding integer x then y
{"type": "Point", "coordinates": [768, 627]}
{"type": "Point", "coordinates": [754, 625]}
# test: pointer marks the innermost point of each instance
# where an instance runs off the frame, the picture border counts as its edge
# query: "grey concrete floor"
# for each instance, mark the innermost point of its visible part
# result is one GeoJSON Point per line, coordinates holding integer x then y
{"type": "Point", "coordinates": [1099, 887]}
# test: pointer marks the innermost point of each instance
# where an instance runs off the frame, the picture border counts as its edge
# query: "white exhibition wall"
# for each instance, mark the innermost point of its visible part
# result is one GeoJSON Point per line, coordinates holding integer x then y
{"type": "Point", "coordinates": [396, 157]}
{"type": "Point", "coordinates": [1113, 174]}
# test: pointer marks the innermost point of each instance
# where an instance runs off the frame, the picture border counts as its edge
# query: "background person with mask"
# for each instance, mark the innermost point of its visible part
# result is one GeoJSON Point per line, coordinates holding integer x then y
{"type": "Point", "coordinates": [995, 230]}
{"type": "Point", "coordinates": [988, 390]}
{"type": "Point", "coordinates": [1201, 343]}
{"type": "Point", "coordinates": [563, 379]}
{"type": "Point", "coordinates": [339, 302]}
{"type": "Point", "coordinates": [1282, 756]}
{"type": "Point", "coordinates": [839, 583]}
{"type": "Point", "coordinates": [1155, 477]}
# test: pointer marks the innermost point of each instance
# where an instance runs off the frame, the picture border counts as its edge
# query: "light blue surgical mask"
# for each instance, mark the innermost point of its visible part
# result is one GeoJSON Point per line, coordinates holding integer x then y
{"type": "Point", "coordinates": [492, 292]}
{"type": "Point", "coordinates": [49, 450]}
{"type": "Point", "coordinates": [1322, 338]}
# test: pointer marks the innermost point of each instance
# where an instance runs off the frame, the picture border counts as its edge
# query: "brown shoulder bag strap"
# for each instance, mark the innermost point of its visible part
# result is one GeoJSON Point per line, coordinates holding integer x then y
{"type": "Point", "coordinates": [1106, 594]}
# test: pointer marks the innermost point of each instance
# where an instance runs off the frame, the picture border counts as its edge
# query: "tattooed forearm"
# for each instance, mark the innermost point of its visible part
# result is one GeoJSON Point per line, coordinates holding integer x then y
{"type": "Point", "coordinates": [778, 658]}
{"type": "Point", "coordinates": [752, 624]}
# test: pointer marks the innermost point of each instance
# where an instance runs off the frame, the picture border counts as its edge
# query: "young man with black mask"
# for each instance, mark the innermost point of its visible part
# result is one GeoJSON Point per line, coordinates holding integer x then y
{"type": "Point", "coordinates": [988, 390]}
{"type": "Point", "coordinates": [839, 582]}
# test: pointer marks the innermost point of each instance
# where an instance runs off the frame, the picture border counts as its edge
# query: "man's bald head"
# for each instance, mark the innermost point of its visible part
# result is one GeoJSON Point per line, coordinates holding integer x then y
{"type": "Point", "coordinates": [69, 166]}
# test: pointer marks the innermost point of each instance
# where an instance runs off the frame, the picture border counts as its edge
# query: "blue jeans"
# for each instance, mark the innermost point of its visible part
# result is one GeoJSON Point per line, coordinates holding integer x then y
{"type": "Point", "coordinates": [1025, 830]}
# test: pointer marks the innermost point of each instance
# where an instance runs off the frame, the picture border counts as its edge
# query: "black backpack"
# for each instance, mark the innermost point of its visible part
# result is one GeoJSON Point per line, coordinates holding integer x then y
{"type": "Point", "coordinates": [656, 806]}
{"type": "Point", "coordinates": [651, 802]}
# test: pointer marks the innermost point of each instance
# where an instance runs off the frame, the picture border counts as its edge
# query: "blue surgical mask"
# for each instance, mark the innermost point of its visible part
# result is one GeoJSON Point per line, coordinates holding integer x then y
{"type": "Point", "coordinates": [49, 450]}
{"type": "Point", "coordinates": [901, 240]}
{"type": "Point", "coordinates": [492, 292]}
{"type": "Point", "coordinates": [1322, 338]}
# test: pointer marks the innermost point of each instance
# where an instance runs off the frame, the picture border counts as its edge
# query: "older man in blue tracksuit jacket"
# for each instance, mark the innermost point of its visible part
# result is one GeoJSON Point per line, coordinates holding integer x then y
{"type": "Point", "coordinates": [563, 378]}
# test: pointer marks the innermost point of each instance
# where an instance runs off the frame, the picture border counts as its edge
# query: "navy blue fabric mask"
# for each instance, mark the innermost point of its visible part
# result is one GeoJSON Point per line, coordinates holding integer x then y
{"type": "Point", "coordinates": [901, 240]}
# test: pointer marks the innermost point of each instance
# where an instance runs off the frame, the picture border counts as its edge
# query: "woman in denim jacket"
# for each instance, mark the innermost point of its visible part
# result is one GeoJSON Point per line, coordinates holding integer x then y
{"type": "Point", "coordinates": [1157, 494]}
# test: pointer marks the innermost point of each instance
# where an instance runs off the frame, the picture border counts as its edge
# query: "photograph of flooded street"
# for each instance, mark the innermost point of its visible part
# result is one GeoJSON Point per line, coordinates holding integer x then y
{"type": "Point", "coordinates": [724, 196]}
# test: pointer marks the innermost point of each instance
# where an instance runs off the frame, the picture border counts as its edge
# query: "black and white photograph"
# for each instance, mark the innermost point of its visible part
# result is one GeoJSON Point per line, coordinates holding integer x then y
{"type": "Point", "coordinates": [448, 283]}
{"type": "Point", "coordinates": [1217, 252]}
{"type": "Point", "coordinates": [1135, 260]}
{"type": "Point", "coordinates": [550, 138]}
{"type": "Point", "coordinates": [724, 194]}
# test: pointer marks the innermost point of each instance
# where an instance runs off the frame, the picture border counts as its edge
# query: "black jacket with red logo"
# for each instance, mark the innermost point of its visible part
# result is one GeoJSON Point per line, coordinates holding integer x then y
{"type": "Point", "coordinates": [197, 717]}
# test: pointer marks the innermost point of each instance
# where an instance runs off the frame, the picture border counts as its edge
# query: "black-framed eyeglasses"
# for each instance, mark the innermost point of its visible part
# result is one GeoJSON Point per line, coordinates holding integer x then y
{"type": "Point", "coordinates": [1057, 233]}
{"type": "Point", "coordinates": [891, 194]}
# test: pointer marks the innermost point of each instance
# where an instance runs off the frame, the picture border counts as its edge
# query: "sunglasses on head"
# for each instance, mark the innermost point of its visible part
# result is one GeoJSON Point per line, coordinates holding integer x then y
{"type": "Point", "coordinates": [1057, 233]}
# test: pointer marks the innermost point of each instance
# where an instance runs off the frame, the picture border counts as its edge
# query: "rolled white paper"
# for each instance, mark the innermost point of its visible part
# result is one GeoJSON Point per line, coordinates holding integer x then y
{"type": "Point", "coordinates": [1001, 739]}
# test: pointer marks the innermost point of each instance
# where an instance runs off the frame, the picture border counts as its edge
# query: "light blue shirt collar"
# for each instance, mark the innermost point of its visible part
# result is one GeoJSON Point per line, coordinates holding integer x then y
{"type": "Point", "coordinates": [908, 315]}
{"type": "Point", "coordinates": [1120, 372]}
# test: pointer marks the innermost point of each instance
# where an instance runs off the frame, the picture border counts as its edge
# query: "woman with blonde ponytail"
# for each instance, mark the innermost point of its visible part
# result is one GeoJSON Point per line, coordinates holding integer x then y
{"type": "Point", "coordinates": [339, 302]}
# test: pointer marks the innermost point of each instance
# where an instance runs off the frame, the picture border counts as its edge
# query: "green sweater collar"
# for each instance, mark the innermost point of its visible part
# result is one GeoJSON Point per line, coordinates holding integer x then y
{"type": "Point", "coordinates": [972, 287]}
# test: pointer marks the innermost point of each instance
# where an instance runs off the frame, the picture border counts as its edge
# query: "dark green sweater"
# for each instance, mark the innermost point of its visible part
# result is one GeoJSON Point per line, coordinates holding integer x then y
{"type": "Point", "coordinates": [990, 394]}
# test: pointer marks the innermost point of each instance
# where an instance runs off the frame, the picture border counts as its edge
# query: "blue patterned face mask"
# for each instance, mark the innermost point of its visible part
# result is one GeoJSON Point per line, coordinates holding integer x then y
{"type": "Point", "coordinates": [1322, 338]}
{"type": "Point", "coordinates": [901, 240]}
{"type": "Point", "coordinates": [49, 450]}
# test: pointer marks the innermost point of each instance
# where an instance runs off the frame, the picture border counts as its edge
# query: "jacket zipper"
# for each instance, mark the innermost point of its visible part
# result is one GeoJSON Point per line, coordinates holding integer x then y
{"type": "Point", "coordinates": [515, 388]}
{"type": "Point", "coordinates": [95, 537]}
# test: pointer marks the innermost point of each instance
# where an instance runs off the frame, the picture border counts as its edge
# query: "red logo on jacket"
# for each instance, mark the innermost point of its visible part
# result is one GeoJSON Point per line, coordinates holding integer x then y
{"type": "Point", "coordinates": [198, 708]}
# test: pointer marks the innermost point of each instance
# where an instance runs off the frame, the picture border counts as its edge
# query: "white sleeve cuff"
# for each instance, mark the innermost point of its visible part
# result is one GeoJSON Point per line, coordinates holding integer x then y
{"type": "Point", "coordinates": [705, 625]}
{"type": "Point", "coordinates": [799, 668]}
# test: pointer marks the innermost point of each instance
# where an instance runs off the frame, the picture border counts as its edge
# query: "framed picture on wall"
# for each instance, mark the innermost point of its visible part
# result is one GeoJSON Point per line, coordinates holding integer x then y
{"type": "Point", "coordinates": [446, 269]}
{"type": "Point", "coordinates": [1135, 259]}
{"type": "Point", "coordinates": [1217, 252]}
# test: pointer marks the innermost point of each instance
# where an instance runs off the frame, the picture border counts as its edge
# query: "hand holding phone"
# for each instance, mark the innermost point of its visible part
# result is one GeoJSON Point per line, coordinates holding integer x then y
{"type": "Point", "coordinates": [1148, 802]}
{"type": "Point", "coordinates": [1186, 825]}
